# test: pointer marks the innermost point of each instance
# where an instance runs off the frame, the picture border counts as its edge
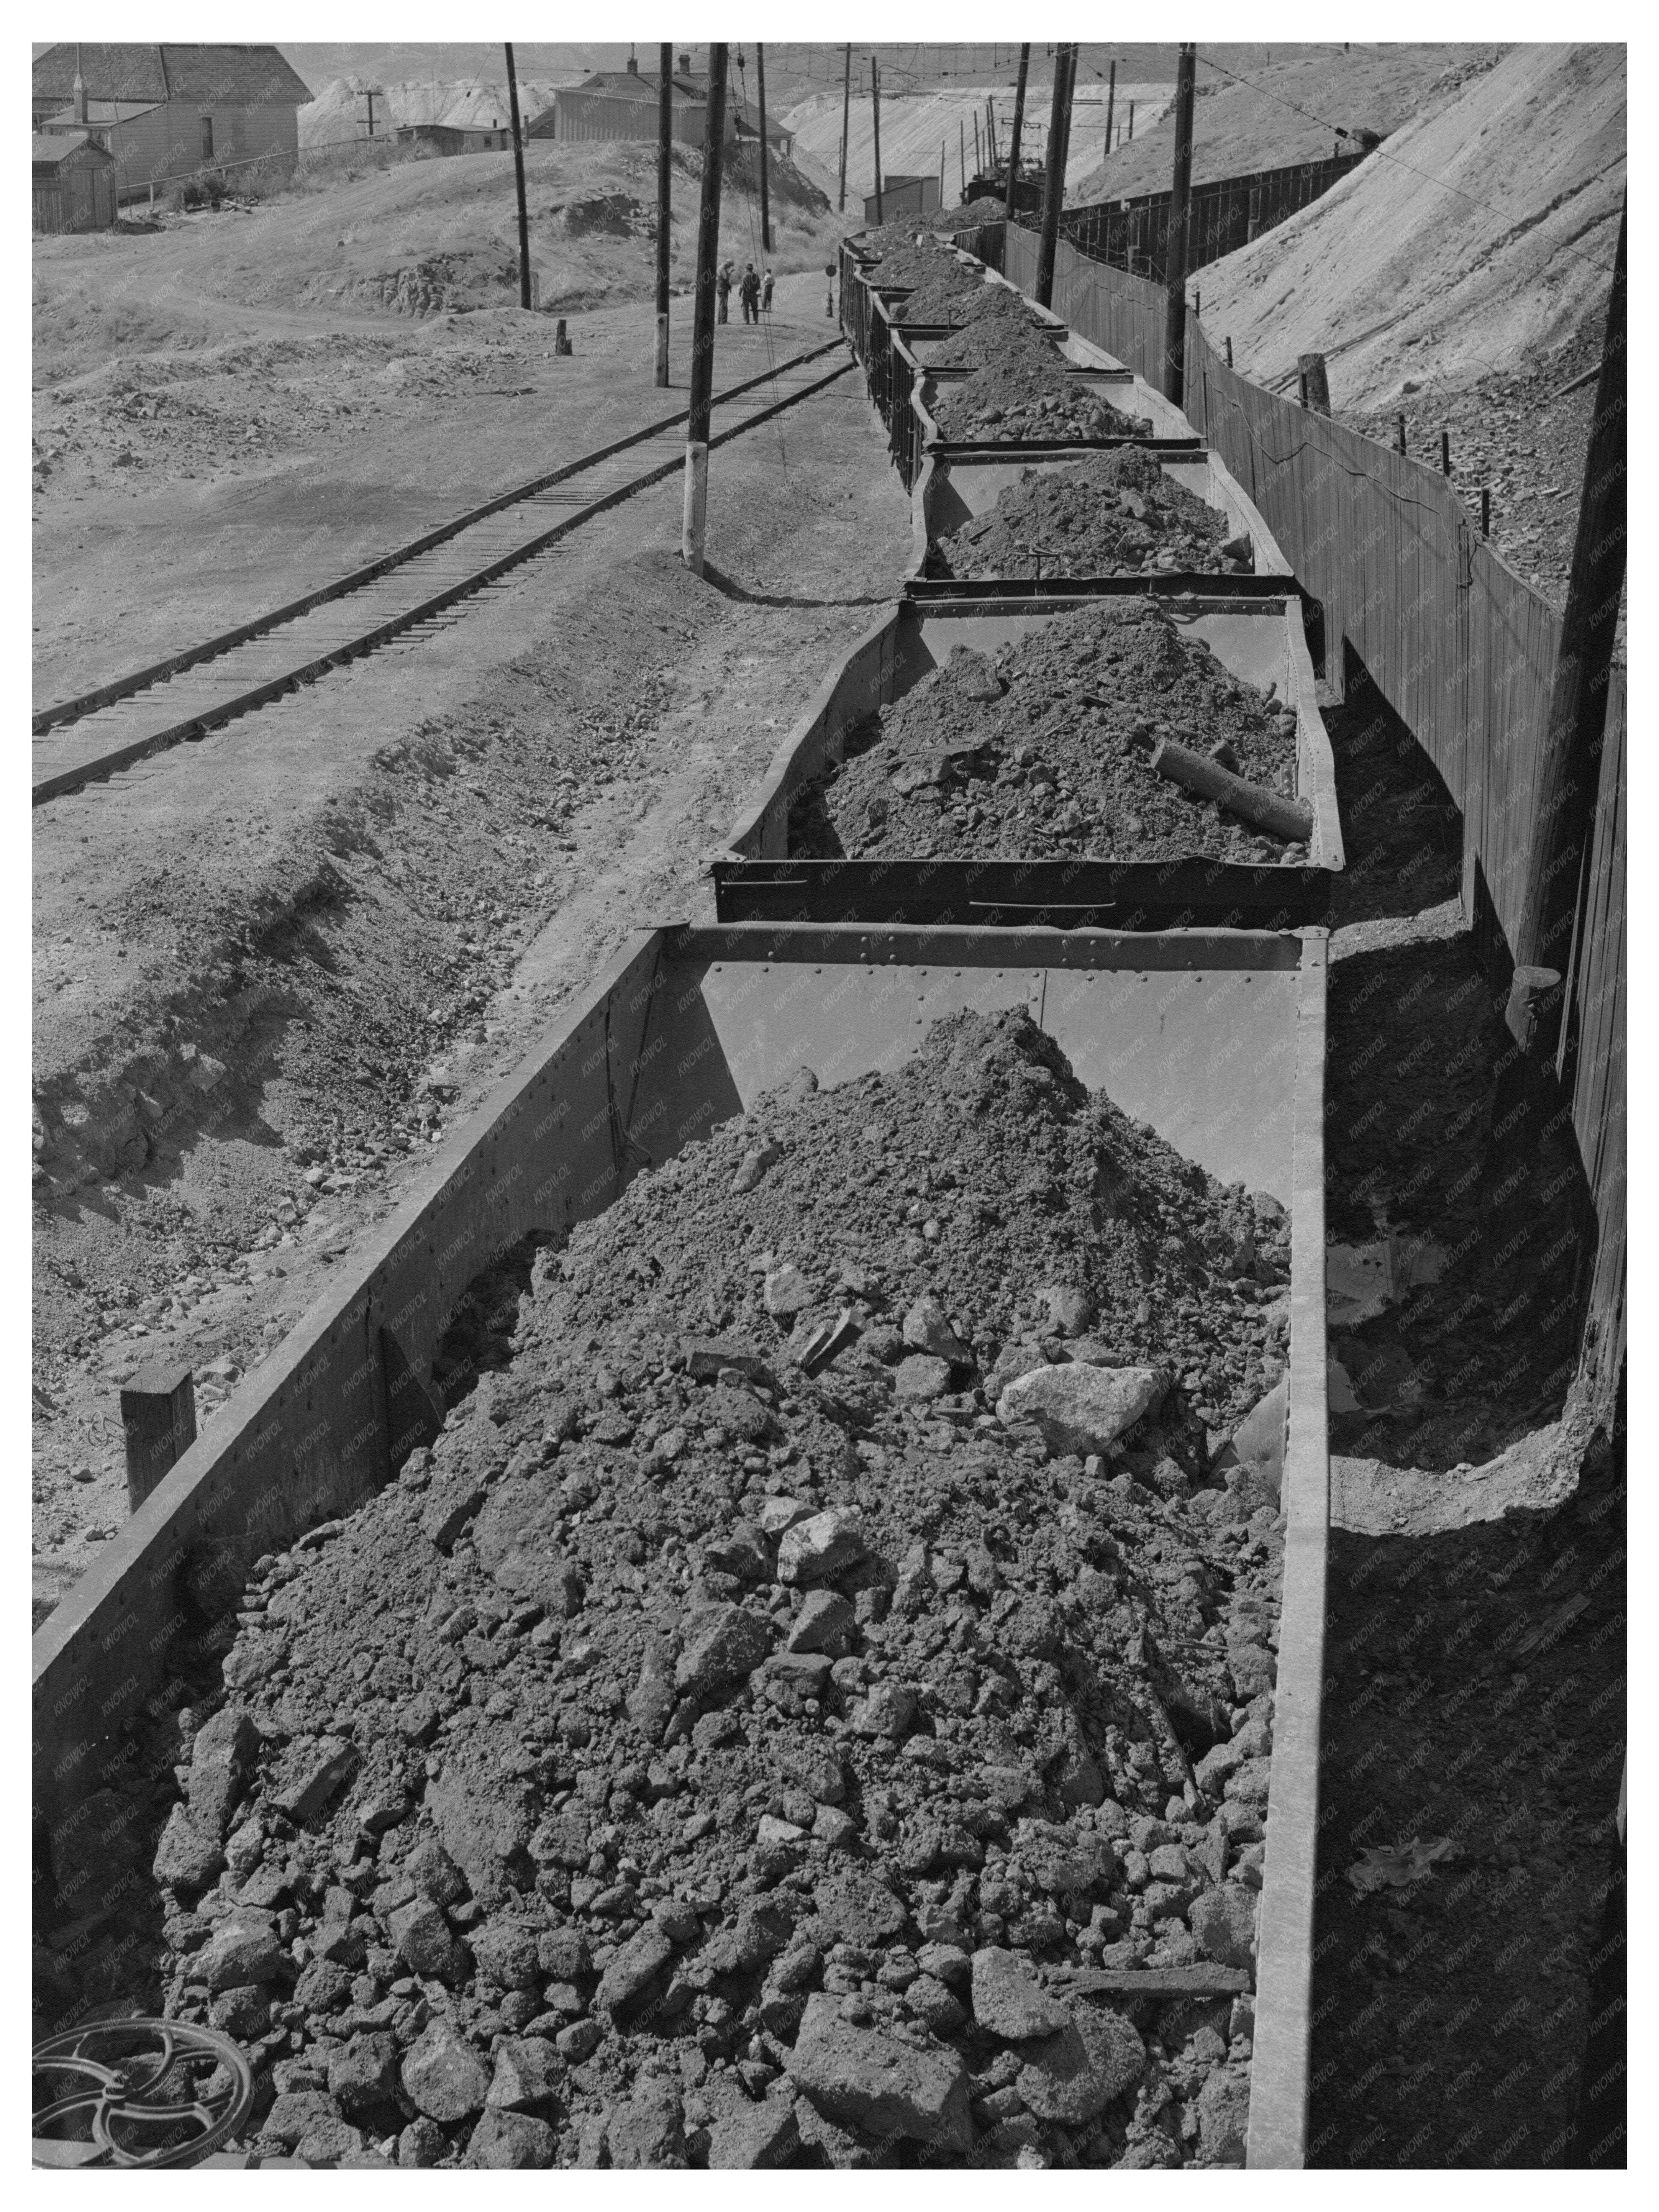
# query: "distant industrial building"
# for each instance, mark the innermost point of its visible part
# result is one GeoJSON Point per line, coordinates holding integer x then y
{"type": "Point", "coordinates": [164, 111]}
{"type": "Point", "coordinates": [74, 182]}
{"type": "Point", "coordinates": [622, 104]}
{"type": "Point", "coordinates": [901, 195]}
{"type": "Point", "coordinates": [457, 137]}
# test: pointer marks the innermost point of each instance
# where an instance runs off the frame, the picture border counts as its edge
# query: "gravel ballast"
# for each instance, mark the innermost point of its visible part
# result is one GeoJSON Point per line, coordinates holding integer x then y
{"type": "Point", "coordinates": [1002, 753]}
{"type": "Point", "coordinates": [1113, 515]}
{"type": "Point", "coordinates": [690, 1760]}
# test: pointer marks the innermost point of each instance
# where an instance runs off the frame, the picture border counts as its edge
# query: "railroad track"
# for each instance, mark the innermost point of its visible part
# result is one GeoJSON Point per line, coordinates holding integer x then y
{"type": "Point", "coordinates": [397, 595]}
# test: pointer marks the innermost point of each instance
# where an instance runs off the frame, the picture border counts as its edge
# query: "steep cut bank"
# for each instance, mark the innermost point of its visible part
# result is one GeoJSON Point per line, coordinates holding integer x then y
{"type": "Point", "coordinates": [1479, 235]}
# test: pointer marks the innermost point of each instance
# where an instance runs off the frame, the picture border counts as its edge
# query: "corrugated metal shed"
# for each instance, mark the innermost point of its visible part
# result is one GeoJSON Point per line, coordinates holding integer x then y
{"type": "Point", "coordinates": [903, 195]}
{"type": "Point", "coordinates": [628, 112]}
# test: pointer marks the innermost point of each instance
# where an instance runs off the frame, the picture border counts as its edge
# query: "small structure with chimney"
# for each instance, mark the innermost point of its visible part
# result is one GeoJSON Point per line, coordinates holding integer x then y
{"type": "Point", "coordinates": [164, 111]}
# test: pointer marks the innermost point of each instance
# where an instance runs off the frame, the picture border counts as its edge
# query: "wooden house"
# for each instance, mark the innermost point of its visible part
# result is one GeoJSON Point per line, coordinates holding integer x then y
{"type": "Point", "coordinates": [164, 111]}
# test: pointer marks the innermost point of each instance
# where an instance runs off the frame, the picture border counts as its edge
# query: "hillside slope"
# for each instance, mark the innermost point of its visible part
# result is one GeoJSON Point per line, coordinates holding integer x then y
{"type": "Point", "coordinates": [472, 104]}
{"type": "Point", "coordinates": [1269, 114]}
{"type": "Point", "coordinates": [1481, 234]}
{"type": "Point", "coordinates": [915, 126]}
{"type": "Point", "coordinates": [420, 237]}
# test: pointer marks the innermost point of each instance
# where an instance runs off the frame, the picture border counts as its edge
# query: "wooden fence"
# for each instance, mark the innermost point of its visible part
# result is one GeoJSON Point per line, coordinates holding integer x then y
{"type": "Point", "coordinates": [1222, 215]}
{"type": "Point", "coordinates": [1461, 649]}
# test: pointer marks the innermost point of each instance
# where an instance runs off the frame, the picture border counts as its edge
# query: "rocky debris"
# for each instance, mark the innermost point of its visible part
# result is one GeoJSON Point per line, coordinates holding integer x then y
{"type": "Point", "coordinates": [869, 1733]}
{"type": "Point", "coordinates": [954, 294]}
{"type": "Point", "coordinates": [186, 1859]}
{"type": "Point", "coordinates": [1223, 1922]}
{"type": "Point", "coordinates": [1044, 747]}
{"type": "Point", "coordinates": [879, 2083]}
{"type": "Point", "coordinates": [1079, 1408]}
{"type": "Point", "coordinates": [444, 2075]}
{"type": "Point", "coordinates": [749, 2136]}
{"type": "Point", "coordinates": [1520, 433]}
{"type": "Point", "coordinates": [223, 1756]}
{"type": "Point", "coordinates": [1007, 1999]}
{"type": "Point", "coordinates": [511, 2141]}
{"type": "Point", "coordinates": [1071, 2075]}
{"type": "Point", "coordinates": [1111, 514]}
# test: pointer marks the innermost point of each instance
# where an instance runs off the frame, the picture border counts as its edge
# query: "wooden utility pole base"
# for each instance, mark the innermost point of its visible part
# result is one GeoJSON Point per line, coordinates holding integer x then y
{"type": "Point", "coordinates": [158, 1416]}
{"type": "Point", "coordinates": [1315, 386]}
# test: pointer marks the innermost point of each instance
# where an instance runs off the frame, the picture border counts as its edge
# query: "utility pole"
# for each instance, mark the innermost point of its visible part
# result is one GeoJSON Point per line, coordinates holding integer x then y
{"type": "Point", "coordinates": [1175, 257]}
{"type": "Point", "coordinates": [846, 112]}
{"type": "Point", "coordinates": [664, 173]}
{"type": "Point", "coordinates": [702, 324]}
{"type": "Point", "coordinates": [760, 88]}
{"type": "Point", "coordinates": [1072, 53]}
{"type": "Point", "coordinates": [1013, 135]}
{"type": "Point", "coordinates": [962, 158]}
{"type": "Point", "coordinates": [1570, 765]}
{"type": "Point", "coordinates": [1111, 101]}
{"type": "Point", "coordinates": [371, 92]}
{"type": "Point", "coordinates": [1053, 182]}
{"type": "Point", "coordinates": [1132, 123]}
{"type": "Point", "coordinates": [875, 115]}
{"type": "Point", "coordinates": [979, 160]}
{"type": "Point", "coordinates": [517, 171]}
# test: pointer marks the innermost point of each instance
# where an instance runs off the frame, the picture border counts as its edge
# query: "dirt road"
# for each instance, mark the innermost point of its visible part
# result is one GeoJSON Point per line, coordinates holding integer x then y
{"type": "Point", "coordinates": [271, 967]}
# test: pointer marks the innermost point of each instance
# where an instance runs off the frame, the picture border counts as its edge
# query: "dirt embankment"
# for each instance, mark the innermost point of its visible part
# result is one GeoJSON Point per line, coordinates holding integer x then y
{"type": "Point", "coordinates": [1282, 104]}
{"type": "Point", "coordinates": [1042, 746]}
{"type": "Point", "coordinates": [1480, 236]}
{"type": "Point", "coordinates": [722, 1733]}
{"type": "Point", "coordinates": [1520, 436]}
{"type": "Point", "coordinates": [267, 972]}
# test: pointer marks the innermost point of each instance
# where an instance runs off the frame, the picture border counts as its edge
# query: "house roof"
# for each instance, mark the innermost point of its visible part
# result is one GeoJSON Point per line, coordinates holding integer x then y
{"type": "Point", "coordinates": [48, 150]}
{"type": "Point", "coordinates": [630, 84]}
{"type": "Point", "coordinates": [258, 77]}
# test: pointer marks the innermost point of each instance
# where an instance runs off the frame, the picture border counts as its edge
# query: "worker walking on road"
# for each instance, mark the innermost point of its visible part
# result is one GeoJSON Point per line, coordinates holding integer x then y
{"type": "Point", "coordinates": [751, 293]}
{"type": "Point", "coordinates": [766, 293]}
{"type": "Point", "coordinates": [723, 291]}
{"type": "Point", "coordinates": [830, 295]}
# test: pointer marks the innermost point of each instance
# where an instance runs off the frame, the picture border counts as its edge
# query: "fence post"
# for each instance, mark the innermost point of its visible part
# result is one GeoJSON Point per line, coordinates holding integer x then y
{"type": "Point", "coordinates": [158, 1416]}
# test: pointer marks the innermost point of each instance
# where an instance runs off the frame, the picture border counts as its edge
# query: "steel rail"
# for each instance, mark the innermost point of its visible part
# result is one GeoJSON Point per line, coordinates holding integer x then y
{"type": "Point", "coordinates": [234, 703]}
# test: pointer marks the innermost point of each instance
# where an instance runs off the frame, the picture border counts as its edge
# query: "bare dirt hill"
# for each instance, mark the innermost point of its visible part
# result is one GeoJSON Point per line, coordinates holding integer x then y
{"type": "Point", "coordinates": [1481, 234]}
{"type": "Point", "coordinates": [1268, 114]}
{"type": "Point", "coordinates": [915, 126]}
{"type": "Point", "coordinates": [417, 238]}
{"type": "Point", "coordinates": [474, 103]}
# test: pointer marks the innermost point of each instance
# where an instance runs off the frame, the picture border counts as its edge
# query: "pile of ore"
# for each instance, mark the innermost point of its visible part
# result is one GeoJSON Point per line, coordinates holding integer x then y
{"type": "Point", "coordinates": [1041, 747]}
{"type": "Point", "coordinates": [1022, 388]}
{"type": "Point", "coordinates": [945, 297]}
{"type": "Point", "coordinates": [785, 1704]}
{"type": "Point", "coordinates": [1113, 515]}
